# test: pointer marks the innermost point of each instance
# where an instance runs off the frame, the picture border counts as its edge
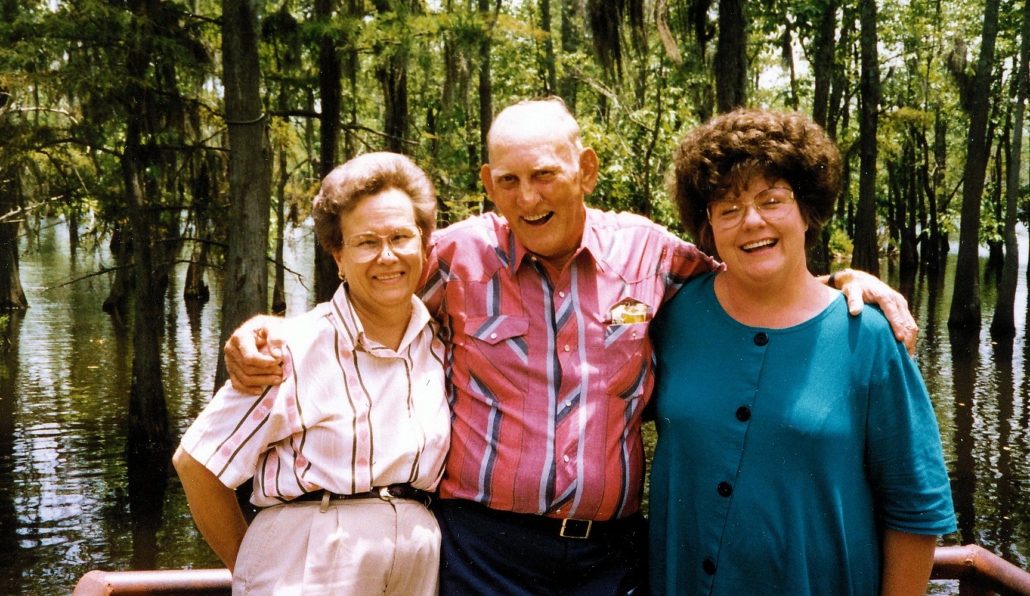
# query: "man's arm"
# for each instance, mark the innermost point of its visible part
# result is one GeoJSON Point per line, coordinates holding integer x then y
{"type": "Point", "coordinates": [860, 287]}
{"type": "Point", "coordinates": [253, 354]}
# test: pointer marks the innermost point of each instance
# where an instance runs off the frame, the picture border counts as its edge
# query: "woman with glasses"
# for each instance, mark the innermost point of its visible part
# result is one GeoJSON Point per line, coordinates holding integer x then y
{"type": "Point", "coordinates": [343, 452]}
{"type": "Point", "coordinates": [798, 452]}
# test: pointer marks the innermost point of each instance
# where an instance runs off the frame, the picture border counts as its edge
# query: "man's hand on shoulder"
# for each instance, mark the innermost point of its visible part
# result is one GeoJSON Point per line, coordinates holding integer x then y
{"type": "Point", "coordinates": [253, 354]}
{"type": "Point", "coordinates": [860, 287]}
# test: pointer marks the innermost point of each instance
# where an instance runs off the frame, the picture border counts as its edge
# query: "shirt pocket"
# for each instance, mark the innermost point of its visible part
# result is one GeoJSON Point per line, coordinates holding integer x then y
{"type": "Point", "coordinates": [627, 359]}
{"type": "Point", "coordinates": [498, 355]}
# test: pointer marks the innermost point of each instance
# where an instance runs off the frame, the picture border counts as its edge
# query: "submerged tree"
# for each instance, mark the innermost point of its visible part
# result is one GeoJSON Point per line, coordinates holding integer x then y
{"type": "Point", "coordinates": [1003, 325]}
{"type": "Point", "coordinates": [867, 251]}
{"type": "Point", "coordinates": [975, 90]}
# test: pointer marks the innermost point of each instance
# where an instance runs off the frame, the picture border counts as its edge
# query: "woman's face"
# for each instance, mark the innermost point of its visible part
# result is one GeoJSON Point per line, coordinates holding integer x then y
{"type": "Point", "coordinates": [390, 278]}
{"type": "Point", "coordinates": [764, 244]}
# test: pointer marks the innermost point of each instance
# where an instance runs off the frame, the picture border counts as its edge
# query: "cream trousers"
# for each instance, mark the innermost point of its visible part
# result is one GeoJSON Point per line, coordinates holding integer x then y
{"type": "Point", "coordinates": [357, 547]}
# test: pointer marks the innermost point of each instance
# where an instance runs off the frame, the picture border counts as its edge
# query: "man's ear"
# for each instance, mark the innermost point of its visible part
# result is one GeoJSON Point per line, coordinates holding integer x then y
{"type": "Point", "coordinates": [588, 167]}
{"type": "Point", "coordinates": [488, 181]}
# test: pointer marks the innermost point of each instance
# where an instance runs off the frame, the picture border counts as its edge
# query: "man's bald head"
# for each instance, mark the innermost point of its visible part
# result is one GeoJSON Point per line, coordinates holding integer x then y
{"type": "Point", "coordinates": [547, 117]}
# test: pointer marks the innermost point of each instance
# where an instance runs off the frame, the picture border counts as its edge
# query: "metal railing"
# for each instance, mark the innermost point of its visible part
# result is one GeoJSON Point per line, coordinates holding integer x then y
{"type": "Point", "coordinates": [979, 572]}
{"type": "Point", "coordinates": [180, 582]}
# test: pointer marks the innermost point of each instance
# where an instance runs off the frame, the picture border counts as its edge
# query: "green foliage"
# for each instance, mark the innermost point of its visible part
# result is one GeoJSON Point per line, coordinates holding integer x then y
{"type": "Point", "coordinates": [64, 96]}
{"type": "Point", "coordinates": [840, 245]}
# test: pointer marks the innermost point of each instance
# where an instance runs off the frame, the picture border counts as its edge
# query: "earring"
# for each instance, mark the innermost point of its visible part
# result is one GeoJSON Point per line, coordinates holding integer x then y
{"type": "Point", "coordinates": [341, 276]}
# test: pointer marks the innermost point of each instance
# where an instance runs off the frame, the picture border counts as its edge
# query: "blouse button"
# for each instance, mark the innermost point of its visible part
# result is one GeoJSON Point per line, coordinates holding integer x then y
{"type": "Point", "coordinates": [709, 566]}
{"type": "Point", "coordinates": [725, 489]}
{"type": "Point", "coordinates": [743, 413]}
{"type": "Point", "coordinates": [761, 338]}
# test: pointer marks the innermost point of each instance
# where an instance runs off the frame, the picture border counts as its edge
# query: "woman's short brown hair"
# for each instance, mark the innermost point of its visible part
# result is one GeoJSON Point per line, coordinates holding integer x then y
{"type": "Point", "coordinates": [368, 175]}
{"type": "Point", "coordinates": [731, 149]}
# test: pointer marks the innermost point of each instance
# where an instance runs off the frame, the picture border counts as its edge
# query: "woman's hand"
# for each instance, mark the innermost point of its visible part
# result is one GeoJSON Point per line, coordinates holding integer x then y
{"type": "Point", "coordinates": [253, 354]}
{"type": "Point", "coordinates": [860, 287]}
{"type": "Point", "coordinates": [907, 562]}
{"type": "Point", "coordinates": [214, 507]}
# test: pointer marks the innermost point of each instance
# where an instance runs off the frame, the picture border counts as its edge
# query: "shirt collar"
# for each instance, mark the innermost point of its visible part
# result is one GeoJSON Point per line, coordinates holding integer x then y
{"type": "Point", "coordinates": [352, 332]}
{"type": "Point", "coordinates": [590, 243]}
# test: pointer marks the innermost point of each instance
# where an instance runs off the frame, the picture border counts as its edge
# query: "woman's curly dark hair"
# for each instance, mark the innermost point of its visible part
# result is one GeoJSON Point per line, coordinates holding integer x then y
{"type": "Point", "coordinates": [730, 150]}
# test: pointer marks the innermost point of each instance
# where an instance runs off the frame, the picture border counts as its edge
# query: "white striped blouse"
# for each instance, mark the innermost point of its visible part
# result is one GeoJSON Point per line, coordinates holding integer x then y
{"type": "Point", "coordinates": [350, 414]}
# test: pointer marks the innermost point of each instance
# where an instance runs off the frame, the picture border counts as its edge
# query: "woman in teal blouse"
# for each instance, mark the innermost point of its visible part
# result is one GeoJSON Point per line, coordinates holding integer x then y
{"type": "Point", "coordinates": [798, 452]}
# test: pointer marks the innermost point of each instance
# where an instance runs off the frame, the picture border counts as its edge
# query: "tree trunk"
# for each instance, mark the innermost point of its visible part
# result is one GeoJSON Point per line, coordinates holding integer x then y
{"type": "Point", "coordinates": [279, 287]}
{"type": "Point", "coordinates": [486, 91]}
{"type": "Point", "coordinates": [825, 45]}
{"type": "Point", "coordinates": [965, 302]}
{"type": "Point", "coordinates": [906, 201]}
{"type": "Point", "coordinates": [866, 256]}
{"type": "Point", "coordinates": [117, 301]}
{"type": "Point", "coordinates": [551, 80]}
{"type": "Point", "coordinates": [195, 288]}
{"type": "Point", "coordinates": [12, 295]}
{"type": "Point", "coordinates": [149, 431]}
{"type": "Point", "coordinates": [996, 248]}
{"type": "Point", "coordinates": [570, 40]}
{"type": "Point", "coordinates": [838, 113]}
{"type": "Point", "coordinates": [1003, 325]}
{"type": "Point", "coordinates": [245, 291]}
{"type": "Point", "coordinates": [329, 84]}
{"type": "Point", "coordinates": [73, 233]}
{"type": "Point", "coordinates": [393, 78]}
{"type": "Point", "coordinates": [731, 57]}
{"type": "Point", "coordinates": [352, 66]}
{"type": "Point", "coordinates": [935, 257]}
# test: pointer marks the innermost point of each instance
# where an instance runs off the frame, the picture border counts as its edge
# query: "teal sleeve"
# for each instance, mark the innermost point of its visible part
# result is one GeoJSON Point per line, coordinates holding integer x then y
{"type": "Point", "coordinates": [905, 459]}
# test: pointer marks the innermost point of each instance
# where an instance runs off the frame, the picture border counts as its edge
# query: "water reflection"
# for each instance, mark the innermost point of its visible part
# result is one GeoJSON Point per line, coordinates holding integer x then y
{"type": "Point", "coordinates": [9, 541]}
{"type": "Point", "coordinates": [964, 355]}
{"type": "Point", "coordinates": [69, 501]}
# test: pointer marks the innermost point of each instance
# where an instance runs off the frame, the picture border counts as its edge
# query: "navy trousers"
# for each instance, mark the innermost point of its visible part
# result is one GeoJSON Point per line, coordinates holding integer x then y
{"type": "Point", "coordinates": [485, 551]}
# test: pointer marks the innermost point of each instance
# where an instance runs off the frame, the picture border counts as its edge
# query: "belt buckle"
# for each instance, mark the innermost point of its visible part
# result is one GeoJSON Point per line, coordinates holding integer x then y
{"type": "Point", "coordinates": [384, 493]}
{"type": "Point", "coordinates": [570, 530]}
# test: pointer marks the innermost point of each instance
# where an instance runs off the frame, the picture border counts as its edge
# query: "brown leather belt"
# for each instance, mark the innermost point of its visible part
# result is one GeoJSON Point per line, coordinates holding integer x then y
{"type": "Point", "coordinates": [386, 493]}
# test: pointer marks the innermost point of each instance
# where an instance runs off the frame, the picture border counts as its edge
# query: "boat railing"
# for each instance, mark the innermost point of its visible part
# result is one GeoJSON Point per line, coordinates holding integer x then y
{"type": "Point", "coordinates": [979, 572]}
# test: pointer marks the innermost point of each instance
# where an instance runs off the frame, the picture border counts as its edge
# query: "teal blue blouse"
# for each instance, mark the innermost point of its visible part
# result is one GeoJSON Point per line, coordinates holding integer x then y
{"type": "Point", "coordinates": [783, 453]}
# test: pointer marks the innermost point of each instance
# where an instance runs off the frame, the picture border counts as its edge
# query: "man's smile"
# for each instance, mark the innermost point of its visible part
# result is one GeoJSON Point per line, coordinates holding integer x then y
{"type": "Point", "coordinates": [536, 220]}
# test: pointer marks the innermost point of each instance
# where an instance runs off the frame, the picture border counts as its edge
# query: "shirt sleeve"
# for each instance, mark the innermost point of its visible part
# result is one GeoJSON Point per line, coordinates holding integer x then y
{"type": "Point", "coordinates": [682, 262]}
{"type": "Point", "coordinates": [431, 288]}
{"type": "Point", "coordinates": [904, 454]}
{"type": "Point", "coordinates": [235, 429]}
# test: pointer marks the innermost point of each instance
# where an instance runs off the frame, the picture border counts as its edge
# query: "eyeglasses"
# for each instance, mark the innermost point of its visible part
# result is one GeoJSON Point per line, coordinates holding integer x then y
{"type": "Point", "coordinates": [368, 246]}
{"type": "Point", "coordinates": [772, 204]}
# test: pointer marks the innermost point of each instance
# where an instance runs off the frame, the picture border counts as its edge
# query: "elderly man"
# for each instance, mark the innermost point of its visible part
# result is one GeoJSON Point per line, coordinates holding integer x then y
{"type": "Point", "coordinates": [545, 308]}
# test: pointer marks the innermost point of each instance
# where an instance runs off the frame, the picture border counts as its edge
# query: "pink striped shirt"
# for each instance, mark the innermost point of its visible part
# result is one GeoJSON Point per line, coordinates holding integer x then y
{"type": "Point", "coordinates": [350, 414]}
{"type": "Point", "coordinates": [548, 381]}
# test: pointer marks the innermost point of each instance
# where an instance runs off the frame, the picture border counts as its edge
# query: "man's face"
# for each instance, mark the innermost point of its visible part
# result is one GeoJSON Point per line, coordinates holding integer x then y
{"type": "Point", "coordinates": [537, 178]}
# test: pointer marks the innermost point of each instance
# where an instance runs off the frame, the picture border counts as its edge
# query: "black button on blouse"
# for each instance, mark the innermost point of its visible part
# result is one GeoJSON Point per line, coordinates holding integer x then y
{"type": "Point", "coordinates": [725, 489]}
{"type": "Point", "coordinates": [743, 413]}
{"type": "Point", "coordinates": [761, 338]}
{"type": "Point", "coordinates": [708, 566]}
